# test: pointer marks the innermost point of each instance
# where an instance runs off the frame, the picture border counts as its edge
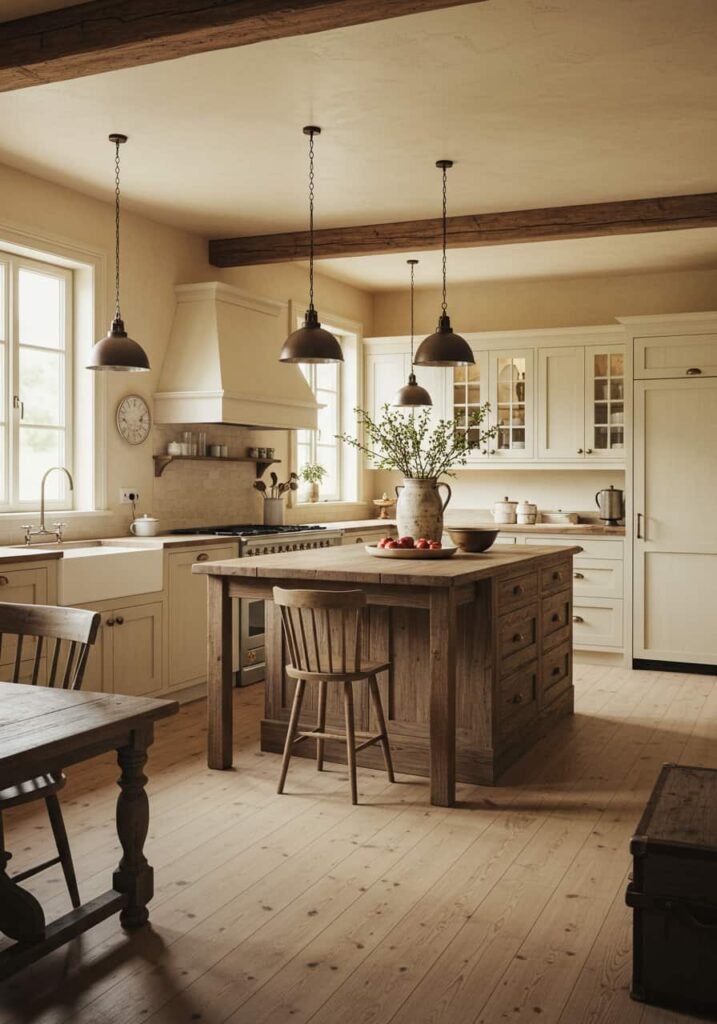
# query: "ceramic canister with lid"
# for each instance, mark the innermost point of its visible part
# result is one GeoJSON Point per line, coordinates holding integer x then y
{"type": "Point", "coordinates": [527, 513]}
{"type": "Point", "coordinates": [505, 511]}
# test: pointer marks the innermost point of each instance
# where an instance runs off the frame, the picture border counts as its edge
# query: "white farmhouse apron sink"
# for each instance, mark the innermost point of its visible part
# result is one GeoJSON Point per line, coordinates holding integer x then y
{"type": "Point", "coordinates": [96, 571]}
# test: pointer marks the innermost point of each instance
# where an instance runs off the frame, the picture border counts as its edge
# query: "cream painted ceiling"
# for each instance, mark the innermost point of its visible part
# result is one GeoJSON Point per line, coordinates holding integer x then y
{"type": "Point", "coordinates": [539, 102]}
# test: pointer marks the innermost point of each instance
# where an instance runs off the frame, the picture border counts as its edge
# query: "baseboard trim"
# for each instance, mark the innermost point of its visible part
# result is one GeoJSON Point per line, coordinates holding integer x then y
{"type": "Point", "coordinates": [675, 666]}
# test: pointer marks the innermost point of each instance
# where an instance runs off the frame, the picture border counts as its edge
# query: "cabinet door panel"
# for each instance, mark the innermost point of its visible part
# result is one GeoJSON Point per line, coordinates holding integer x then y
{"type": "Point", "coordinates": [561, 396]}
{"type": "Point", "coordinates": [605, 403]}
{"type": "Point", "coordinates": [675, 355]}
{"type": "Point", "coordinates": [467, 388]}
{"type": "Point", "coordinates": [20, 586]}
{"type": "Point", "coordinates": [512, 402]}
{"type": "Point", "coordinates": [188, 614]}
{"type": "Point", "coordinates": [137, 649]}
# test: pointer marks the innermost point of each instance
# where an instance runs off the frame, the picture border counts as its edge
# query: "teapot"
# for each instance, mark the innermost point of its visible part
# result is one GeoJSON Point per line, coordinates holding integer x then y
{"type": "Point", "coordinates": [144, 526]}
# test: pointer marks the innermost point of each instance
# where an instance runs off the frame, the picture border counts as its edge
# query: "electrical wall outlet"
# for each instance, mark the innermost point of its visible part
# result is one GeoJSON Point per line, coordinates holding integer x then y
{"type": "Point", "coordinates": [128, 495]}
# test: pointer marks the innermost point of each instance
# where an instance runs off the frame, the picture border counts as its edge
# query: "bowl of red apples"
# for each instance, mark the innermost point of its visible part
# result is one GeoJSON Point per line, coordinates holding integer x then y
{"type": "Point", "coordinates": [408, 547]}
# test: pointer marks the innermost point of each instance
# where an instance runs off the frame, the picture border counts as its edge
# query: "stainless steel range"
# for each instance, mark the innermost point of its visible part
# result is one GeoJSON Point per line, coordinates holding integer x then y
{"type": "Point", "coordinates": [261, 540]}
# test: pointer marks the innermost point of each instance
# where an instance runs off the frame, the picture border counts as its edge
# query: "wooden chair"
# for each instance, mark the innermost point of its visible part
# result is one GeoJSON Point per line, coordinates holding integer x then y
{"type": "Point", "coordinates": [323, 635]}
{"type": "Point", "coordinates": [51, 647]}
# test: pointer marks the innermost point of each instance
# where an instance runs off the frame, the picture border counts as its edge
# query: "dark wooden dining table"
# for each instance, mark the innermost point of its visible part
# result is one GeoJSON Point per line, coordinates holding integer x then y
{"type": "Point", "coordinates": [46, 730]}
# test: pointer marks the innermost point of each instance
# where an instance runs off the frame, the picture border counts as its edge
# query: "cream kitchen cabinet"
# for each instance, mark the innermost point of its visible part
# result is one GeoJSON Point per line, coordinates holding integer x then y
{"type": "Point", "coordinates": [25, 583]}
{"type": "Point", "coordinates": [561, 403]}
{"type": "Point", "coordinates": [187, 614]}
{"type": "Point", "coordinates": [503, 379]}
{"type": "Point", "coordinates": [127, 655]}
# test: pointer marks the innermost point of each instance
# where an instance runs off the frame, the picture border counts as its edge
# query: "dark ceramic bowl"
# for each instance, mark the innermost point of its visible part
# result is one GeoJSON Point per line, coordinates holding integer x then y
{"type": "Point", "coordinates": [472, 538]}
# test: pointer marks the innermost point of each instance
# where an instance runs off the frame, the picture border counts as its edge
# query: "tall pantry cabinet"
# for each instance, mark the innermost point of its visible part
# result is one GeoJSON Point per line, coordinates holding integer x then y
{"type": "Point", "coordinates": [675, 489]}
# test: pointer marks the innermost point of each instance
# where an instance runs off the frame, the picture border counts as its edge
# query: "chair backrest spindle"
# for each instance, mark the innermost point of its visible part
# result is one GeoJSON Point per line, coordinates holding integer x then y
{"type": "Point", "coordinates": [73, 627]}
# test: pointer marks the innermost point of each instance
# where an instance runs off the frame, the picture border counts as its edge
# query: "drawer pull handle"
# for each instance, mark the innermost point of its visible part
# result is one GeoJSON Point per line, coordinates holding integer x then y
{"type": "Point", "coordinates": [556, 671]}
{"type": "Point", "coordinates": [578, 576]}
{"type": "Point", "coordinates": [4, 581]}
{"type": "Point", "coordinates": [518, 588]}
{"type": "Point", "coordinates": [578, 618]}
{"type": "Point", "coordinates": [555, 617]}
{"type": "Point", "coordinates": [517, 699]}
{"type": "Point", "coordinates": [119, 620]}
{"type": "Point", "coordinates": [203, 557]}
{"type": "Point", "coordinates": [359, 540]}
{"type": "Point", "coordinates": [580, 451]}
{"type": "Point", "coordinates": [517, 637]}
{"type": "Point", "coordinates": [557, 575]}
{"type": "Point", "coordinates": [693, 371]}
{"type": "Point", "coordinates": [110, 622]}
{"type": "Point", "coordinates": [588, 451]}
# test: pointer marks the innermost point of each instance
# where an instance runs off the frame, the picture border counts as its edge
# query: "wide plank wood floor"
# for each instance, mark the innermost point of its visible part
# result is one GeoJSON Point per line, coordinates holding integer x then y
{"type": "Point", "coordinates": [268, 909]}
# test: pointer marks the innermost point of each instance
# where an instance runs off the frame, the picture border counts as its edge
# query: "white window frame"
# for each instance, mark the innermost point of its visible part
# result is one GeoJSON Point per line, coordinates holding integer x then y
{"type": "Point", "coordinates": [310, 372]}
{"type": "Point", "coordinates": [350, 336]}
{"type": "Point", "coordinates": [13, 264]}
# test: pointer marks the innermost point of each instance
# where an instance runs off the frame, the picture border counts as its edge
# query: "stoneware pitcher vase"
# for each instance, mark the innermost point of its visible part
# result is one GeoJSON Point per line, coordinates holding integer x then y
{"type": "Point", "coordinates": [419, 509]}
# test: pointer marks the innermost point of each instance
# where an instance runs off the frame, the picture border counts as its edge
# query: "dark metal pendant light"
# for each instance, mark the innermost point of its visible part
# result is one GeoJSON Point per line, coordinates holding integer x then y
{"type": "Point", "coordinates": [117, 351]}
{"type": "Point", "coordinates": [444, 348]}
{"type": "Point", "coordinates": [412, 394]}
{"type": "Point", "coordinates": [311, 343]}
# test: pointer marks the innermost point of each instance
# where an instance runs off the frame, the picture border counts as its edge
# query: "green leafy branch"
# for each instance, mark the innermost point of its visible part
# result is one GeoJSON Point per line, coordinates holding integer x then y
{"type": "Point", "coordinates": [408, 443]}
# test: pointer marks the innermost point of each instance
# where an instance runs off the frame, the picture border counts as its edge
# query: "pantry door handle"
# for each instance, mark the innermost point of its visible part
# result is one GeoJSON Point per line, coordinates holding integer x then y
{"type": "Point", "coordinates": [693, 371]}
{"type": "Point", "coordinates": [640, 535]}
{"type": "Point", "coordinates": [578, 618]}
{"type": "Point", "coordinates": [203, 557]}
{"type": "Point", "coordinates": [578, 576]}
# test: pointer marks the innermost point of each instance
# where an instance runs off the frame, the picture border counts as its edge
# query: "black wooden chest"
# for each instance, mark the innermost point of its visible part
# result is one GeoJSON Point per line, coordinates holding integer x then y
{"type": "Point", "coordinates": [673, 892]}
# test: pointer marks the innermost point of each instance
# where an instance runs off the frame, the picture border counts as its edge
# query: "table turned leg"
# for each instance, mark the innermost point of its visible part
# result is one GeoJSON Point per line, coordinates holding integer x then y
{"type": "Point", "coordinates": [21, 916]}
{"type": "Point", "coordinates": [442, 628]}
{"type": "Point", "coordinates": [219, 673]}
{"type": "Point", "coordinates": [134, 877]}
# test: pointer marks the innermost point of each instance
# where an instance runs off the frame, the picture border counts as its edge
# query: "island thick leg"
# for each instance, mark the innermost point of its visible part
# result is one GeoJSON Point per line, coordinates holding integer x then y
{"type": "Point", "coordinates": [219, 673]}
{"type": "Point", "coordinates": [134, 877]}
{"type": "Point", "coordinates": [443, 696]}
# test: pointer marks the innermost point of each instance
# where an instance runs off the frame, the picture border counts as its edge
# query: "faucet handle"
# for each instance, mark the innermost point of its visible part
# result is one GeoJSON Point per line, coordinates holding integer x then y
{"type": "Point", "coordinates": [28, 532]}
{"type": "Point", "coordinates": [59, 530]}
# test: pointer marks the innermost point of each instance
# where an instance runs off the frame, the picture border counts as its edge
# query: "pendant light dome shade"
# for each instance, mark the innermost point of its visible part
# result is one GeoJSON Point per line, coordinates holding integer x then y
{"type": "Point", "coordinates": [117, 351]}
{"type": "Point", "coordinates": [444, 347]}
{"type": "Point", "coordinates": [412, 395]}
{"type": "Point", "coordinates": [311, 343]}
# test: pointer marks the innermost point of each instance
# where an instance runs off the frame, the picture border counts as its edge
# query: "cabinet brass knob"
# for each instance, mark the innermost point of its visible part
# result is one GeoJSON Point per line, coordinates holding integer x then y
{"type": "Point", "coordinates": [555, 617]}
{"type": "Point", "coordinates": [4, 581]}
{"type": "Point", "coordinates": [203, 557]}
{"type": "Point", "coordinates": [518, 589]}
{"type": "Point", "coordinates": [557, 575]}
{"type": "Point", "coordinates": [517, 637]}
{"type": "Point", "coordinates": [492, 451]}
{"type": "Point", "coordinates": [359, 540]}
{"type": "Point", "coordinates": [110, 622]}
{"type": "Point", "coordinates": [517, 699]}
{"type": "Point", "coordinates": [119, 620]}
{"type": "Point", "coordinates": [588, 451]}
{"type": "Point", "coordinates": [578, 618]}
{"type": "Point", "coordinates": [580, 451]}
{"type": "Point", "coordinates": [578, 576]}
{"type": "Point", "coordinates": [693, 371]}
{"type": "Point", "coordinates": [556, 671]}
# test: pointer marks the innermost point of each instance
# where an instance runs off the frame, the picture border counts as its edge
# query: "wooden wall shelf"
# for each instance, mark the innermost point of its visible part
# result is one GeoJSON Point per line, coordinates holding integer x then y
{"type": "Point", "coordinates": [162, 461]}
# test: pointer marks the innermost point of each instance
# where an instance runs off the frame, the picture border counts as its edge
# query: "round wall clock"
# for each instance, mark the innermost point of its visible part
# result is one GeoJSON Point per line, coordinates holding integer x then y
{"type": "Point", "coordinates": [133, 419]}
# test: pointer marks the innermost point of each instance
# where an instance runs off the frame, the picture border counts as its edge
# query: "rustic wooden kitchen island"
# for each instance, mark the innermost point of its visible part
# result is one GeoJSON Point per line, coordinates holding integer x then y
{"type": "Point", "coordinates": [480, 647]}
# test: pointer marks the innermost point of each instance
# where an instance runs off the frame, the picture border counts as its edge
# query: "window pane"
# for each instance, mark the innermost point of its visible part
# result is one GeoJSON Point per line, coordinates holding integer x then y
{"type": "Point", "coordinates": [327, 416]}
{"type": "Point", "coordinates": [327, 375]}
{"type": "Point", "coordinates": [40, 449]}
{"type": "Point", "coordinates": [327, 458]}
{"type": "Point", "coordinates": [3, 355]}
{"type": "Point", "coordinates": [41, 386]}
{"type": "Point", "coordinates": [40, 309]}
{"type": "Point", "coordinates": [3, 466]}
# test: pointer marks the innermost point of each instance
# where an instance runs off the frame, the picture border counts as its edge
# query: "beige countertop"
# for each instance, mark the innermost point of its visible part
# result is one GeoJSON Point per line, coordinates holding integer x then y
{"type": "Point", "coordinates": [9, 554]}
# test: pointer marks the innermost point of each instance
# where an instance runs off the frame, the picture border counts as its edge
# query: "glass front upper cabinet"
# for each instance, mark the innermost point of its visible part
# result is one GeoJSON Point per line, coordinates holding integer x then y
{"type": "Point", "coordinates": [504, 381]}
{"type": "Point", "coordinates": [469, 391]}
{"type": "Point", "coordinates": [605, 403]}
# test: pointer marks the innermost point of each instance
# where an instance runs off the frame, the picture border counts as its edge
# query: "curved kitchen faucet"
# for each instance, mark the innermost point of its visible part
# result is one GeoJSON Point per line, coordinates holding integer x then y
{"type": "Point", "coordinates": [41, 531]}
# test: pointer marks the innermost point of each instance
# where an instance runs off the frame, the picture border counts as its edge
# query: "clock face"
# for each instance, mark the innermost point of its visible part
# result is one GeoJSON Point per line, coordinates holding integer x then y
{"type": "Point", "coordinates": [133, 419]}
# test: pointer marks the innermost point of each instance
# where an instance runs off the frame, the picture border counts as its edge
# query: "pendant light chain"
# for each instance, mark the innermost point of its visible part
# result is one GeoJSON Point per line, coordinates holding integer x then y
{"type": "Point", "coordinates": [444, 305]}
{"type": "Point", "coordinates": [118, 315]}
{"type": "Point", "coordinates": [412, 263]}
{"type": "Point", "coordinates": [311, 220]}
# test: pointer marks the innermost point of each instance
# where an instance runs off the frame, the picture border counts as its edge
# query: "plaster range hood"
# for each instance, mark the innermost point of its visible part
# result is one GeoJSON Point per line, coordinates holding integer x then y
{"type": "Point", "coordinates": [222, 363]}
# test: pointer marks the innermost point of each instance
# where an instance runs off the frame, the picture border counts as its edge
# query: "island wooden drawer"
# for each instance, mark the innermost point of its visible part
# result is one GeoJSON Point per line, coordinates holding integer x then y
{"type": "Point", "coordinates": [558, 577]}
{"type": "Point", "coordinates": [517, 638]}
{"type": "Point", "coordinates": [517, 701]}
{"type": "Point", "coordinates": [556, 678]}
{"type": "Point", "coordinates": [556, 616]}
{"type": "Point", "coordinates": [517, 591]}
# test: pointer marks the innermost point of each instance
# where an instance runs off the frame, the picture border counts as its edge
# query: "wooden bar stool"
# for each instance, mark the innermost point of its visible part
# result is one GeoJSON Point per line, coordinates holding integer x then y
{"type": "Point", "coordinates": [323, 636]}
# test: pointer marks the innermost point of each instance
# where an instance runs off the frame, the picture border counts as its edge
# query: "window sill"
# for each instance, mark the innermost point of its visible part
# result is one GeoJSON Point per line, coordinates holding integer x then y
{"type": "Point", "coordinates": [334, 503]}
{"type": "Point", "coordinates": [65, 513]}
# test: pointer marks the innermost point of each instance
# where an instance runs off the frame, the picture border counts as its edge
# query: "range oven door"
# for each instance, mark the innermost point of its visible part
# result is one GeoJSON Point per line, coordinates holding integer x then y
{"type": "Point", "coordinates": [252, 618]}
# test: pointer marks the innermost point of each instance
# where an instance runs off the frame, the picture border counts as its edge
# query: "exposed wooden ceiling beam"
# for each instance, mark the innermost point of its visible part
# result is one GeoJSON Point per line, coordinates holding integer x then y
{"type": "Point", "coordinates": [626, 217]}
{"type": "Point", "coordinates": [107, 35]}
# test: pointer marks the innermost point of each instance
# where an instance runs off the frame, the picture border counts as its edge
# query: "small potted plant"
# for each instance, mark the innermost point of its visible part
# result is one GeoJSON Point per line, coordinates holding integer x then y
{"type": "Point", "coordinates": [421, 453]}
{"type": "Point", "coordinates": [312, 475]}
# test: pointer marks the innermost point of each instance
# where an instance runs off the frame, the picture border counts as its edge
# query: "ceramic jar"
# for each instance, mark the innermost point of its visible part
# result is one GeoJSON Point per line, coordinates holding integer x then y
{"type": "Point", "coordinates": [527, 513]}
{"type": "Point", "coordinates": [145, 526]}
{"type": "Point", "coordinates": [420, 508]}
{"type": "Point", "coordinates": [505, 511]}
